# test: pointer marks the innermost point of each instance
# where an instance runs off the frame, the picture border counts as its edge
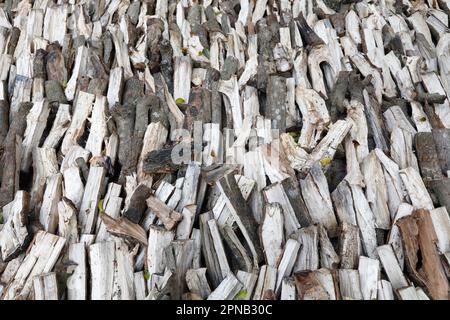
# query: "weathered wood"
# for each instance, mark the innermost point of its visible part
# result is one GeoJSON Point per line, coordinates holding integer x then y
{"type": "Point", "coordinates": [419, 237]}
{"type": "Point", "coordinates": [46, 287]}
{"type": "Point", "coordinates": [47, 248]}
{"type": "Point", "coordinates": [168, 216]}
{"type": "Point", "coordinates": [14, 235]}
{"type": "Point", "coordinates": [243, 216]}
{"type": "Point", "coordinates": [89, 204]}
{"type": "Point", "coordinates": [309, 286]}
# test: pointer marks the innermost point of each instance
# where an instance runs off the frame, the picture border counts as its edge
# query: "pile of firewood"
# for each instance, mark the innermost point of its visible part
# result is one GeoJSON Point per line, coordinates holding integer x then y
{"type": "Point", "coordinates": [252, 149]}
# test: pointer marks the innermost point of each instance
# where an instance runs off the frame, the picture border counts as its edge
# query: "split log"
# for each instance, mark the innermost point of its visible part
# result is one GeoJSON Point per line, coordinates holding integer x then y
{"type": "Point", "coordinates": [241, 213]}
{"type": "Point", "coordinates": [419, 237]}
{"type": "Point", "coordinates": [168, 216]}
{"type": "Point", "coordinates": [89, 204]}
{"type": "Point", "coordinates": [47, 247]}
{"type": "Point", "coordinates": [14, 235]}
{"type": "Point", "coordinates": [12, 155]}
{"type": "Point", "coordinates": [46, 287]}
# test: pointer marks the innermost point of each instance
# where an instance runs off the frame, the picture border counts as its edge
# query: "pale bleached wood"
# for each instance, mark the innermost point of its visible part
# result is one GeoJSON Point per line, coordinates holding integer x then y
{"type": "Point", "coordinates": [227, 290]}
{"type": "Point", "coordinates": [190, 186]}
{"type": "Point", "coordinates": [70, 159]}
{"type": "Point", "coordinates": [73, 186]}
{"type": "Point", "coordinates": [230, 89]}
{"type": "Point", "coordinates": [182, 78]}
{"type": "Point", "coordinates": [168, 216]}
{"type": "Point", "coordinates": [115, 86]}
{"type": "Point", "coordinates": [196, 236]}
{"type": "Point", "coordinates": [288, 291]}
{"type": "Point", "coordinates": [99, 130]}
{"type": "Point", "coordinates": [408, 293]}
{"type": "Point", "coordinates": [275, 194]}
{"type": "Point", "coordinates": [402, 149]}
{"type": "Point", "coordinates": [67, 220]}
{"type": "Point", "coordinates": [395, 238]}
{"type": "Point", "coordinates": [81, 111]}
{"type": "Point", "coordinates": [287, 261]}
{"type": "Point", "coordinates": [376, 190]}
{"type": "Point", "coordinates": [36, 122]}
{"type": "Point", "coordinates": [44, 165]}
{"type": "Point", "coordinates": [369, 274]}
{"type": "Point", "coordinates": [55, 23]}
{"type": "Point", "coordinates": [78, 69]}
{"type": "Point", "coordinates": [272, 234]}
{"type": "Point", "coordinates": [14, 232]}
{"type": "Point", "coordinates": [77, 282]}
{"type": "Point", "coordinates": [123, 59]}
{"type": "Point", "coordinates": [89, 204]}
{"type": "Point", "coordinates": [48, 215]}
{"type": "Point", "coordinates": [308, 256]}
{"type": "Point", "coordinates": [40, 259]}
{"type": "Point", "coordinates": [314, 116]}
{"type": "Point", "coordinates": [441, 224]}
{"type": "Point", "coordinates": [349, 284]}
{"type": "Point", "coordinates": [385, 290]}
{"type": "Point", "coordinates": [112, 207]}
{"type": "Point", "coordinates": [416, 189]}
{"type": "Point", "coordinates": [101, 257]}
{"type": "Point", "coordinates": [318, 200]}
{"type": "Point", "coordinates": [391, 267]}
{"type": "Point", "coordinates": [209, 254]}
{"type": "Point", "coordinates": [421, 295]}
{"type": "Point", "coordinates": [394, 184]}
{"type": "Point", "coordinates": [11, 269]}
{"type": "Point", "coordinates": [158, 240]}
{"type": "Point", "coordinates": [266, 282]}
{"type": "Point", "coordinates": [45, 287]}
{"type": "Point", "coordinates": [140, 288]}
{"type": "Point", "coordinates": [123, 285]}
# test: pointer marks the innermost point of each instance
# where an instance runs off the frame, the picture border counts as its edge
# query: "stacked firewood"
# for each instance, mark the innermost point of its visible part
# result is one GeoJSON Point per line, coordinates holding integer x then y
{"type": "Point", "coordinates": [252, 149]}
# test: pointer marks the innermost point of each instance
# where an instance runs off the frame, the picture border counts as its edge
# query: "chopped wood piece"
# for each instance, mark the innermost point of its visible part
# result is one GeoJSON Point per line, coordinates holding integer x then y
{"type": "Point", "coordinates": [46, 287]}
{"type": "Point", "coordinates": [349, 284]}
{"type": "Point", "coordinates": [67, 220]}
{"type": "Point", "coordinates": [123, 227]}
{"type": "Point", "coordinates": [40, 259]}
{"type": "Point", "coordinates": [48, 215]}
{"type": "Point", "coordinates": [168, 216]}
{"type": "Point", "coordinates": [197, 282]}
{"type": "Point", "coordinates": [317, 198]}
{"type": "Point", "coordinates": [227, 290]}
{"type": "Point", "coordinates": [272, 235]}
{"type": "Point", "coordinates": [369, 274]}
{"type": "Point", "coordinates": [76, 283]}
{"type": "Point", "coordinates": [92, 193]}
{"type": "Point", "coordinates": [287, 262]}
{"type": "Point", "coordinates": [419, 238]}
{"type": "Point", "coordinates": [14, 235]}
{"type": "Point", "coordinates": [266, 282]}
{"type": "Point", "coordinates": [309, 286]}
{"type": "Point", "coordinates": [349, 246]}
{"type": "Point", "coordinates": [391, 267]}
{"type": "Point", "coordinates": [241, 213]}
